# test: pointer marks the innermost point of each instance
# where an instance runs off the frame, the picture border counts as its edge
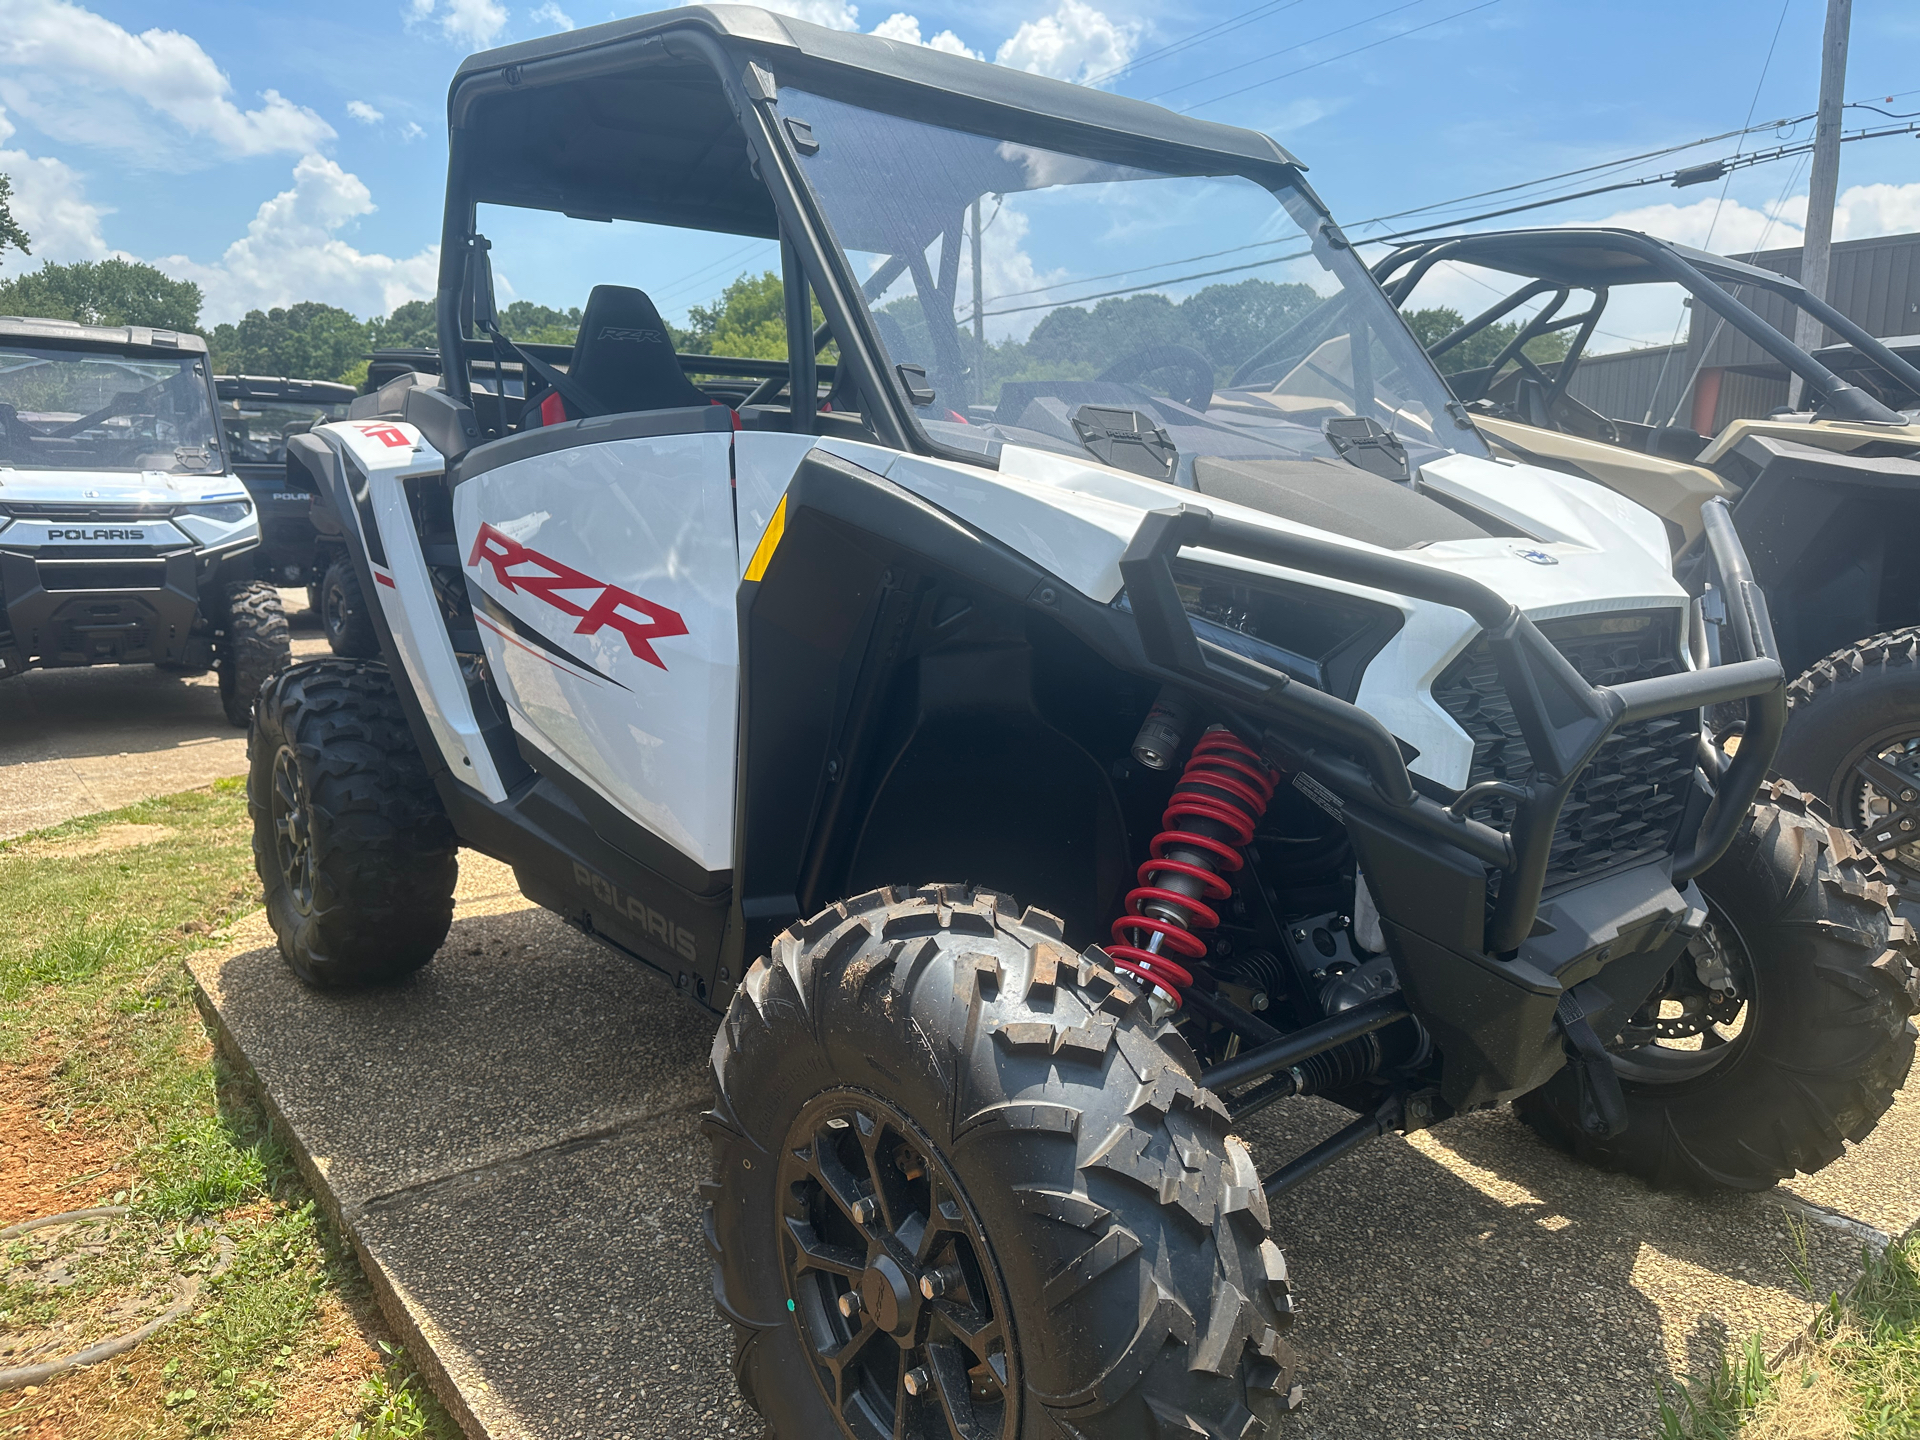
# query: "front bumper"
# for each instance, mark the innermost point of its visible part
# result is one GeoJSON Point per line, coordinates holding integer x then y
{"type": "Point", "coordinates": [1484, 963]}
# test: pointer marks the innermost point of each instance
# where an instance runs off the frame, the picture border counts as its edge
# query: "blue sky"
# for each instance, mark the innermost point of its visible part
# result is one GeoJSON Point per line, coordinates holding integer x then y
{"type": "Point", "coordinates": [279, 152]}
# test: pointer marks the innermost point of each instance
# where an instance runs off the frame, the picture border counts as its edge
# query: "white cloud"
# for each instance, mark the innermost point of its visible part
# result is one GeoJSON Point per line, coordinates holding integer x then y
{"type": "Point", "coordinates": [473, 23]}
{"type": "Point", "coordinates": [1076, 42]}
{"type": "Point", "coordinates": [834, 14]}
{"type": "Point", "coordinates": [75, 76]}
{"type": "Point", "coordinates": [902, 26]}
{"type": "Point", "coordinates": [1864, 210]}
{"type": "Point", "coordinates": [50, 203]}
{"type": "Point", "coordinates": [364, 113]}
{"type": "Point", "coordinates": [291, 252]}
{"type": "Point", "coordinates": [411, 132]}
{"type": "Point", "coordinates": [552, 15]}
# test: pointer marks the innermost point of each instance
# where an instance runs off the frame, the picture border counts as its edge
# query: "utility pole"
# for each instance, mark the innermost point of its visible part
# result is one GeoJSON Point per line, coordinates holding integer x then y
{"type": "Point", "coordinates": [979, 320]}
{"type": "Point", "coordinates": [1824, 183]}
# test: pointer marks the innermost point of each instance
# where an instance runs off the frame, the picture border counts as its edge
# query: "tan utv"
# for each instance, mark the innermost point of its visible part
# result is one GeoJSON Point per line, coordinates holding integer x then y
{"type": "Point", "coordinates": [1826, 498]}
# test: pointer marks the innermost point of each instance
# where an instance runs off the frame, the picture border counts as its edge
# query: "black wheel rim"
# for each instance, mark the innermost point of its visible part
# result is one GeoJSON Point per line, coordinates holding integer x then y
{"type": "Point", "coordinates": [292, 829]}
{"type": "Point", "coordinates": [333, 615]}
{"type": "Point", "coordinates": [890, 1283]}
{"type": "Point", "coordinates": [1689, 1026]}
{"type": "Point", "coordinates": [1880, 801]}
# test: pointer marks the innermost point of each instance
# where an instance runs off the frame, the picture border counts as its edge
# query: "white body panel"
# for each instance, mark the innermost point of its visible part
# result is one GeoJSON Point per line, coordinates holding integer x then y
{"type": "Point", "coordinates": [389, 453]}
{"type": "Point", "coordinates": [651, 519]}
{"type": "Point", "coordinates": [105, 490]}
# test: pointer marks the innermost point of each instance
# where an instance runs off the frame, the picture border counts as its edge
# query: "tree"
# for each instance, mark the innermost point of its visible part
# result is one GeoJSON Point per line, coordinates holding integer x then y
{"type": "Point", "coordinates": [104, 292]}
{"type": "Point", "coordinates": [10, 231]}
{"type": "Point", "coordinates": [1480, 350]}
{"type": "Point", "coordinates": [308, 341]}
{"type": "Point", "coordinates": [412, 326]}
{"type": "Point", "coordinates": [539, 324]}
{"type": "Point", "coordinates": [749, 320]}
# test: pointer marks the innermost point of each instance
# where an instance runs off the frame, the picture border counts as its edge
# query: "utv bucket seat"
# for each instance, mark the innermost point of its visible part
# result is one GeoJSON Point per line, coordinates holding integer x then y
{"type": "Point", "coordinates": [624, 358]}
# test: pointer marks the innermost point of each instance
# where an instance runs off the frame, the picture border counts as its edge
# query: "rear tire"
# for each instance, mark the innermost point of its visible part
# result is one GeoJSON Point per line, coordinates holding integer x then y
{"type": "Point", "coordinates": [1862, 704]}
{"type": "Point", "coordinates": [344, 615]}
{"type": "Point", "coordinates": [1035, 1149]}
{"type": "Point", "coordinates": [1823, 1042]}
{"type": "Point", "coordinates": [349, 838]}
{"type": "Point", "coordinates": [254, 645]}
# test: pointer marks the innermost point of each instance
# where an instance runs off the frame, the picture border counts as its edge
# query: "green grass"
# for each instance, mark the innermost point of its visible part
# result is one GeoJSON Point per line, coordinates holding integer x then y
{"type": "Point", "coordinates": [1858, 1375]}
{"type": "Point", "coordinates": [91, 976]}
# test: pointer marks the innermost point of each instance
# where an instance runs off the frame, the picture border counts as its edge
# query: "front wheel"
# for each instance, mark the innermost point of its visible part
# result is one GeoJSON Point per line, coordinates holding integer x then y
{"type": "Point", "coordinates": [349, 838]}
{"type": "Point", "coordinates": [964, 1186]}
{"type": "Point", "coordinates": [1853, 739]}
{"type": "Point", "coordinates": [1780, 1032]}
{"type": "Point", "coordinates": [253, 646]}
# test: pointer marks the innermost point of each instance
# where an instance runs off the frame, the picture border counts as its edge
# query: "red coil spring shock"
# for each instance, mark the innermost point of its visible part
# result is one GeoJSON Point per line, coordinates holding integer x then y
{"type": "Point", "coordinates": [1221, 795]}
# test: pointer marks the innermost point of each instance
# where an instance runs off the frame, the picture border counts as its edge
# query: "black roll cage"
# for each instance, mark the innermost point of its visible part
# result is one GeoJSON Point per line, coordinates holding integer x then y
{"type": "Point", "coordinates": [1562, 718]}
{"type": "Point", "coordinates": [1696, 272]}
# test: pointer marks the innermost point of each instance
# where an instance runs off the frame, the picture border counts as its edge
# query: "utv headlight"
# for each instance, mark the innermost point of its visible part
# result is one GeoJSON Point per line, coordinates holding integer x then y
{"type": "Point", "coordinates": [1322, 638]}
{"type": "Point", "coordinates": [231, 513]}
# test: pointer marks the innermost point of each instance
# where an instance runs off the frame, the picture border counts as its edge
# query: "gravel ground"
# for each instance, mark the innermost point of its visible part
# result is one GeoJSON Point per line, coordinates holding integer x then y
{"type": "Point", "coordinates": [517, 1149]}
{"type": "Point", "coordinates": [73, 742]}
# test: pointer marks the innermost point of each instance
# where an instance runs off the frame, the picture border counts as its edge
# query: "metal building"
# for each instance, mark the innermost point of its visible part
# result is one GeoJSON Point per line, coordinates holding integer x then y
{"type": "Point", "coordinates": [1718, 375]}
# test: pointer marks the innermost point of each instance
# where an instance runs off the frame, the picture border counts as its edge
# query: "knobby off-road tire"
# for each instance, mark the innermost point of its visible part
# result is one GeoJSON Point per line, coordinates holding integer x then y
{"type": "Point", "coordinates": [1858, 704]}
{"type": "Point", "coordinates": [254, 644]}
{"type": "Point", "coordinates": [1825, 1038]}
{"type": "Point", "coordinates": [1087, 1219]}
{"type": "Point", "coordinates": [344, 615]}
{"type": "Point", "coordinates": [349, 838]}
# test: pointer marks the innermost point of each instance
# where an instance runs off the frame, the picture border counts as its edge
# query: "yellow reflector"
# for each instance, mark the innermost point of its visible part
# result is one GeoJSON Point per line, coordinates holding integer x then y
{"type": "Point", "coordinates": [769, 542]}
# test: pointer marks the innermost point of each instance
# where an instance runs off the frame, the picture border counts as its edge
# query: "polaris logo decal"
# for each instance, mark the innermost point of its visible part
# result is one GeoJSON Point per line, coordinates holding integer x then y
{"type": "Point", "coordinates": [1537, 557]}
{"type": "Point", "coordinates": [640, 622]}
{"type": "Point", "coordinates": [96, 534]}
{"type": "Point", "coordinates": [630, 336]}
{"type": "Point", "coordinates": [658, 927]}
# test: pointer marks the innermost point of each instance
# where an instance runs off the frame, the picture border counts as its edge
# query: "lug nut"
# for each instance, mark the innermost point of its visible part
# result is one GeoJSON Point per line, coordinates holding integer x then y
{"type": "Point", "coordinates": [943, 1281]}
{"type": "Point", "coordinates": [918, 1381]}
{"type": "Point", "coordinates": [850, 1304]}
{"type": "Point", "coordinates": [866, 1210]}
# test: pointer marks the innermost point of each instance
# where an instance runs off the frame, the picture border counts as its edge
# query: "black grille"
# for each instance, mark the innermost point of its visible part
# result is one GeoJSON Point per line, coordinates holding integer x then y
{"type": "Point", "coordinates": [81, 513]}
{"type": "Point", "coordinates": [1627, 804]}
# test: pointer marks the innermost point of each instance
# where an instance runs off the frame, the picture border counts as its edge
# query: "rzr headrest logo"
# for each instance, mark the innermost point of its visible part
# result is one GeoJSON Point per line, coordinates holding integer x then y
{"type": "Point", "coordinates": [629, 336]}
{"type": "Point", "coordinates": [640, 621]}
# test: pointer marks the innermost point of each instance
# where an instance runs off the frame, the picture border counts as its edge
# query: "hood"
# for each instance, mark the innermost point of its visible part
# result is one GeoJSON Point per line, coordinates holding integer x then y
{"type": "Point", "coordinates": [147, 489]}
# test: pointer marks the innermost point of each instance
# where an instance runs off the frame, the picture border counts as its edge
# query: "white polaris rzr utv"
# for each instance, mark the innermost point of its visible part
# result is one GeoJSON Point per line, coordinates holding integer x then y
{"type": "Point", "coordinates": [1332, 757]}
{"type": "Point", "coordinates": [125, 535]}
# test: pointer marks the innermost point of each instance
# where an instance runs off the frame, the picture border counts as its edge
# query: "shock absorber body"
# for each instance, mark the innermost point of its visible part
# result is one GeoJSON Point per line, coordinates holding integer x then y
{"type": "Point", "coordinates": [1220, 796]}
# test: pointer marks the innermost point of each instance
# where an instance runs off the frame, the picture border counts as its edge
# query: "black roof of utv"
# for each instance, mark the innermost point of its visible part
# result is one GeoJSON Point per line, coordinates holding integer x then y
{"type": "Point", "coordinates": [1590, 258]}
{"type": "Point", "coordinates": [620, 120]}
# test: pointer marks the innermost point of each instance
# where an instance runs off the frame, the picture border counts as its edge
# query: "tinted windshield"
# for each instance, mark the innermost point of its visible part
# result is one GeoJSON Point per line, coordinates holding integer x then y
{"type": "Point", "coordinates": [257, 429]}
{"type": "Point", "coordinates": [73, 409]}
{"type": "Point", "coordinates": [1029, 284]}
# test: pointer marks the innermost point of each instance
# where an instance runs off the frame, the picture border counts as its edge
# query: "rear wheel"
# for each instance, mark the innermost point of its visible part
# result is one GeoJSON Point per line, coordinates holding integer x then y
{"type": "Point", "coordinates": [1781, 1032]}
{"type": "Point", "coordinates": [344, 615]}
{"type": "Point", "coordinates": [1853, 739]}
{"type": "Point", "coordinates": [964, 1187]}
{"type": "Point", "coordinates": [254, 644]}
{"type": "Point", "coordinates": [349, 839]}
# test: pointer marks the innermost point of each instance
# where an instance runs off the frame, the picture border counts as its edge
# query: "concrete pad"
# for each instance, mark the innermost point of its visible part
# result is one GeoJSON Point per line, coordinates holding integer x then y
{"type": "Point", "coordinates": [512, 1142]}
{"type": "Point", "coordinates": [74, 742]}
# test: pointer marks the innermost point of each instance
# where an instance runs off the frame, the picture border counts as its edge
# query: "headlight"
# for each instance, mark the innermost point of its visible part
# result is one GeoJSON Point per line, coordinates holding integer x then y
{"type": "Point", "coordinates": [231, 513]}
{"type": "Point", "coordinates": [1317, 636]}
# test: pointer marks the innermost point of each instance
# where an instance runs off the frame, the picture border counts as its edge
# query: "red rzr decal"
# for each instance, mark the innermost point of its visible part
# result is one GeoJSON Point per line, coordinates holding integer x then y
{"type": "Point", "coordinates": [640, 621]}
{"type": "Point", "coordinates": [391, 436]}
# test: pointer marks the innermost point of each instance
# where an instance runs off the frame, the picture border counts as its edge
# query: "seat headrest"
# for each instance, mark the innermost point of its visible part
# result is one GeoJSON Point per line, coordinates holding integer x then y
{"type": "Point", "coordinates": [624, 355]}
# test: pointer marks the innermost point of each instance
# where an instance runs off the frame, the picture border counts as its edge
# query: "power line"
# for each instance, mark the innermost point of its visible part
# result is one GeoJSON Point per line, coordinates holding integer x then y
{"type": "Point", "coordinates": [1371, 44]}
{"type": "Point", "coordinates": [1150, 285]}
{"type": "Point", "coordinates": [1212, 32]}
{"type": "Point", "coordinates": [1283, 50]}
{"type": "Point", "coordinates": [1731, 162]}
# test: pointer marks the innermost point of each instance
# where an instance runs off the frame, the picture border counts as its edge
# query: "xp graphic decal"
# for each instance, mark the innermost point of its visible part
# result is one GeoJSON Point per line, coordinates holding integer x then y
{"type": "Point", "coordinates": [640, 622]}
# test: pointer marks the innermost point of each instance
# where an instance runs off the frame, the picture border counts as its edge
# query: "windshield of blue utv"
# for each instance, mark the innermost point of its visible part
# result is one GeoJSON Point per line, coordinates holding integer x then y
{"type": "Point", "coordinates": [1028, 283]}
{"type": "Point", "coordinates": [73, 409]}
